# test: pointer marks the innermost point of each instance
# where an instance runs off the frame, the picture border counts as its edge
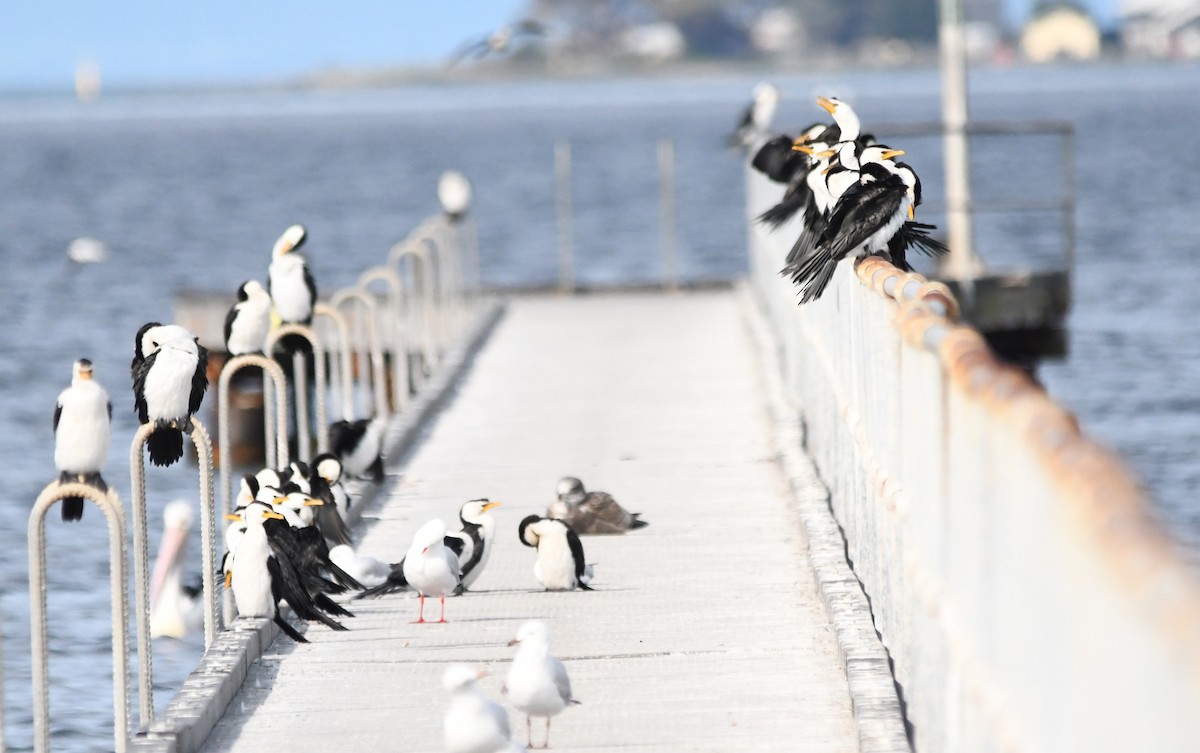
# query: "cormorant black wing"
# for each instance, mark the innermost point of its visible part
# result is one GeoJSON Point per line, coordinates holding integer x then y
{"type": "Point", "coordinates": [58, 414]}
{"type": "Point", "coordinates": [199, 378]}
{"type": "Point", "coordinates": [577, 555]}
{"type": "Point", "coordinates": [141, 366]}
{"type": "Point", "coordinates": [229, 317]}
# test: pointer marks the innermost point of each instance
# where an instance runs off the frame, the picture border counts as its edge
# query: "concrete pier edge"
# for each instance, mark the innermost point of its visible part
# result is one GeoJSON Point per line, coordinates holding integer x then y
{"type": "Point", "coordinates": [873, 692]}
{"type": "Point", "coordinates": [191, 715]}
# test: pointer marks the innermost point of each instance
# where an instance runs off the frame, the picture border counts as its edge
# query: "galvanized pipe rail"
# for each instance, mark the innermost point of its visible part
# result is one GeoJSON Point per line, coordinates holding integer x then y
{"type": "Point", "coordinates": [341, 378]}
{"type": "Point", "coordinates": [141, 547]}
{"type": "Point", "coordinates": [1028, 597]}
{"type": "Point", "coordinates": [304, 434]}
{"type": "Point", "coordinates": [278, 416]}
{"type": "Point", "coordinates": [393, 327]}
{"type": "Point", "coordinates": [118, 564]}
{"type": "Point", "coordinates": [373, 350]}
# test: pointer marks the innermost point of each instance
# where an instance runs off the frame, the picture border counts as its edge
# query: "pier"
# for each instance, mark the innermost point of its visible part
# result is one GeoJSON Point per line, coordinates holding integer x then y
{"type": "Point", "coordinates": [867, 533]}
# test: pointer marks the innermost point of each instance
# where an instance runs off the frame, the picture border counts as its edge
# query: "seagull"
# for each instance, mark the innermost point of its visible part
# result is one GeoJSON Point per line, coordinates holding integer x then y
{"type": "Point", "coordinates": [169, 379]}
{"type": "Point", "coordinates": [248, 320]}
{"type": "Point", "coordinates": [359, 445]}
{"type": "Point", "coordinates": [366, 570]}
{"type": "Point", "coordinates": [473, 722]}
{"type": "Point", "coordinates": [757, 117]}
{"type": "Point", "coordinates": [430, 568]}
{"type": "Point", "coordinates": [262, 574]}
{"type": "Point", "coordinates": [559, 565]}
{"type": "Point", "coordinates": [454, 194]}
{"type": "Point", "coordinates": [87, 250]}
{"type": "Point", "coordinates": [175, 608]}
{"type": "Point", "coordinates": [82, 429]}
{"type": "Point", "coordinates": [537, 683]}
{"type": "Point", "coordinates": [499, 41]}
{"type": "Point", "coordinates": [591, 512]}
{"type": "Point", "coordinates": [471, 545]}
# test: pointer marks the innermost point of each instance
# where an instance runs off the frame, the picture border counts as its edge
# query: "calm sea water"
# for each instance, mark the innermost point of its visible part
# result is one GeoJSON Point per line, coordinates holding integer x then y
{"type": "Point", "coordinates": [191, 191]}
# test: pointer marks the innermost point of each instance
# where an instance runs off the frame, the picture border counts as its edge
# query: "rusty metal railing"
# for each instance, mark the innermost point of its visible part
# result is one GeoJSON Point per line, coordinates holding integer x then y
{"type": "Point", "coordinates": [302, 410]}
{"type": "Point", "coordinates": [275, 417]}
{"type": "Point", "coordinates": [1017, 575]}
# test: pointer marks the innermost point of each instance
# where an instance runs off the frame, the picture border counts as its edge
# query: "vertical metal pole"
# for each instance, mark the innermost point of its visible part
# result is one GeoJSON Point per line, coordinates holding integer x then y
{"type": "Point", "coordinates": [962, 263]}
{"type": "Point", "coordinates": [666, 213]}
{"type": "Point", "coordinates": [566, 251]}
{"type": "Point", "coordinates": [300, 388]}
{"type": "Point", "coordinates": [208, 531]}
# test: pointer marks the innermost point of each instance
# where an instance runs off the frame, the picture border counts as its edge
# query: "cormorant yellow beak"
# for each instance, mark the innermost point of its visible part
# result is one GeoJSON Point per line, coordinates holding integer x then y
{"type": "Point", "coordinates": [890, 153]}
{"type": "Point", "coordinates": [912, 212]}
{"type": "Point", "coordinates": [233, 516]}
{"type": "Point", "coordinates": [798, 146]}
{"type": "Point", "coordinates": [826, 105]}
{"type": "Point", "coordinates": [273, 515]}
{"type": "Point", "coordinates": [229, 579]}
{"type": "Point", "coordinates": [279, 500]}
{"type": "Point", "coordinates": [490, 505]}
{"type": "Point", "coordinates": [310, 502]}
{"type": "Point", "coordinates": [827, 153]}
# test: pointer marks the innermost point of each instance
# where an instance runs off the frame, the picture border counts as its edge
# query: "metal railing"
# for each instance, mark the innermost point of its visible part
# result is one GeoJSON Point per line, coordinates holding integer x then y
{"type": "Point", "coordinates": [118, 565]}
{"type": "Point", "coordinates": [141, 548]}
{"type": "Point", "coordinates": [275, 418]}
{"type": "Point", "coordinates": [300, 392]}
{"type": "Point", "coordinates": [1017, 576]}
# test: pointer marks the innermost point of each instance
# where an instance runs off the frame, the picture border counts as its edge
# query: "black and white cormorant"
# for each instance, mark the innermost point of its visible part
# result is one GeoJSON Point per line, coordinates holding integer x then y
{"type": "Point", "coordinates": [359, 445]}
{"type": "Point", "coordinates": [82, 428]}
{"type": "Point", "coordinates": [169, 380]}
{"type": "Point", "coordinates": [248, 320]}
{"type": "Point", "coordinates": [262, 574]}
{"type": "Point", "coordinates": [289, 282]}
{"type": "Point", "coordinates": [756, 120]}
{"type": "Point", "coordinates": [560, 564]}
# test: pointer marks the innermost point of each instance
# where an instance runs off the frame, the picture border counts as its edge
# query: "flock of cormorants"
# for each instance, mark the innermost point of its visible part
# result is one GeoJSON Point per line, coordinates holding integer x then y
{"type": "Point", "coordinates": [852, 195]}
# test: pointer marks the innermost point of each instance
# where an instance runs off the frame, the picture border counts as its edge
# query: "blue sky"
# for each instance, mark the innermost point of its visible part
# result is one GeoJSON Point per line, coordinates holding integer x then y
{"type": "Point", "coordinates": [141, 42]}
{"type": "Point", "coordinates": [151, 42]}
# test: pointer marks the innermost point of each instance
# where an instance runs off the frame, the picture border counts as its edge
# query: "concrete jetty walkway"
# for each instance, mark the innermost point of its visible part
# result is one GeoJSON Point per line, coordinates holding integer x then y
{"type": "Point", "coordinates": [706, 631]}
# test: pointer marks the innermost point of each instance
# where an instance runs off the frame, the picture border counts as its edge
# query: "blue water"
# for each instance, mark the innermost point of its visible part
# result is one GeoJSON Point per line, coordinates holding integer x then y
{"type": "Point", "coordinates": [190, 191]}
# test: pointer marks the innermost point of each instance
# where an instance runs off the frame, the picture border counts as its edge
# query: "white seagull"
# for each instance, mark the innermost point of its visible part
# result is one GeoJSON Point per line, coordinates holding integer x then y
{"type": "Point", "coordinates": [559, 565]}
{"type": "Point", "coordinates": [169, 379]}
{"type": "Point", "coordinates": [430, 568]}
{"type": "Point", "coordinates": [537, 682]}
{"type": "Point", "coordinates": [82, 428]}
{"type": "Point", "coordinates": [473, 722]}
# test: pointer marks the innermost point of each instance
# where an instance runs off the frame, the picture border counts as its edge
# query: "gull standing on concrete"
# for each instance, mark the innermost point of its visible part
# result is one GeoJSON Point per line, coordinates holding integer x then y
{"type": "Point", "coordinates": [559, 565]}
{"type": "Point", "coordinates": [591, 512]}
{"type": "Point", "coordinates": [537, 682]}
{"type": "Point", "coordinates": [82, 427]}
{"type": "Point", "coordinates": [170, 376]}
{"type": "Point", "coordinates": [248, 320]}
{"type": "Point", "coordinates": [430, 568]}
{"type": "Point", "coordinates": [473, 722]}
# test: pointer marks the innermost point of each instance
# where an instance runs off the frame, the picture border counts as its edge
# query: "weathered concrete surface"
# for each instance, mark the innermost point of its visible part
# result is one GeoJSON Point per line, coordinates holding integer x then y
{"type": "Point", "coordinates": [705, 632]}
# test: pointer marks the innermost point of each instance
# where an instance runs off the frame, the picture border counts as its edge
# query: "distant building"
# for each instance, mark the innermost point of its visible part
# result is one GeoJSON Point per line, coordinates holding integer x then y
{"type": "Point", "coordinates": [657, 42]}
{"type": "Point", "coordinates": [1161, 28]}
{"type": "Point", "coordinates": [1060, 31]}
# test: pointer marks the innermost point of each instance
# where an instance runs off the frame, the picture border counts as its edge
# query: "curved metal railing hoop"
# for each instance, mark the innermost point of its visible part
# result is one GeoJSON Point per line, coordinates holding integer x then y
{"type": "Point", "coordinates": [276, 459]}
{"type": "Point", "coordinates": [341, 381]}
{"type": "Point", "coordinates": [449, 278]}
{"type": "Point", "coordinates": [392, 327]}
{"type": "Point", "coordinates": [416, 260]}
{"type": "Point", "coordinates": [300, 388]}
{"type": "Point", "coordinates": [118, 559]}
{"type": "Point", "coordinates": [344, 298]}
{"type": "Point", "coordinates": [208, 545]}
